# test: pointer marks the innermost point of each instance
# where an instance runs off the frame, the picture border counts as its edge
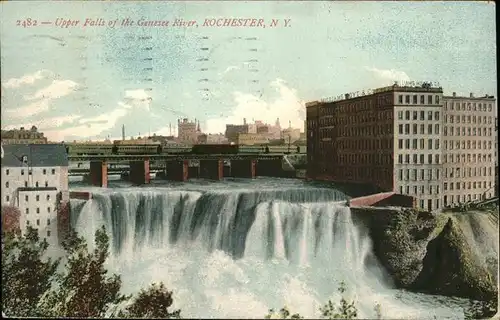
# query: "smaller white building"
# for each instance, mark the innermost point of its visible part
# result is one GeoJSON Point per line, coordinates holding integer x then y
{"type": "Point", "coordinates": [35, 180]}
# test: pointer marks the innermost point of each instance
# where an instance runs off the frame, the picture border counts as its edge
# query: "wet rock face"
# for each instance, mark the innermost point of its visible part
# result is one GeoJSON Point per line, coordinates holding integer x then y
{"type": "Point", "coordinates": [421, 254]}
{"type": "Point", "coordinates": [399, 240]}
{"type": "Point", "coordinates": [449, 268]}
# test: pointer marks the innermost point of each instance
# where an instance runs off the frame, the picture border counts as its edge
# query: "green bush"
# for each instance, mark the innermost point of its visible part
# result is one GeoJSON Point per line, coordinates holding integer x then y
{"type": "Point", "coordinates": [33, 286]}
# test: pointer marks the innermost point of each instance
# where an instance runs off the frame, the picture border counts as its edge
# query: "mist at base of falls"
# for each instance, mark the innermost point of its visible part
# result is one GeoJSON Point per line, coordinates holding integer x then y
{"type": "Point", "coordinates": [238, 252]}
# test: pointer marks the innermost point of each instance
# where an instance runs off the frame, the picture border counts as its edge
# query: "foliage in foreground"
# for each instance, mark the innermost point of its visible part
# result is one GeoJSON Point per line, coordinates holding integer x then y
{"type": "Point", "coordinates": [33, 285]}
{"type": "Point", "coordinates": [345, 310]}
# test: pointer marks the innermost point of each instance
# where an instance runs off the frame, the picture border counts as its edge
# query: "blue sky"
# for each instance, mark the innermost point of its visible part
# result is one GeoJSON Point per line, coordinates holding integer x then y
{"type": "Point", "coordinates": [85, 82]}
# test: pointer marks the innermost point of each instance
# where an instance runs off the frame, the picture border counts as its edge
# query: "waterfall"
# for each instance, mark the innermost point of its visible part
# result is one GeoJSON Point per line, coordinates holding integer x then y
{"type": "Point", "coordinates": [237, 253]}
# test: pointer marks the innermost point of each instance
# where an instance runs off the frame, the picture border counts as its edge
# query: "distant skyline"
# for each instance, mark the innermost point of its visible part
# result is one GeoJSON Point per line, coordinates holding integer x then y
{"type": "Point", "coordinates": [85, 83]}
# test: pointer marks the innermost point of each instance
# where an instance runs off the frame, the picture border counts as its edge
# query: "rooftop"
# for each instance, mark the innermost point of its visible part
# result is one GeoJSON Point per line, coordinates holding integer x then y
{"type": "Point", "coordinates": [34, 155]}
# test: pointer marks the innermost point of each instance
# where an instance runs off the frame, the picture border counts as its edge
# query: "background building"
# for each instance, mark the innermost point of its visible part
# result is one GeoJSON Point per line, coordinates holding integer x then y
{"type": "Point", "coordinates": [469, 148]}
{"type": "Point", "coordinates": [35, 181]}
{"type": "Point", "coordinates": [23, 136]}
{"type": "Point", "coordinates": [188, 131]}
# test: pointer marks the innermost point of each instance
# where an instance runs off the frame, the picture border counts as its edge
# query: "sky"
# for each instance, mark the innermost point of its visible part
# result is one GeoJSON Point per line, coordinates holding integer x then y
{"type": "Point", "coordinates": [85, 82]}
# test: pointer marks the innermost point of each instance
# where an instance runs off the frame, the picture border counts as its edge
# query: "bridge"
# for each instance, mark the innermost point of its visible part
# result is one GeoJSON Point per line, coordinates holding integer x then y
{"type": "Point", "coordinates": [178, 167]}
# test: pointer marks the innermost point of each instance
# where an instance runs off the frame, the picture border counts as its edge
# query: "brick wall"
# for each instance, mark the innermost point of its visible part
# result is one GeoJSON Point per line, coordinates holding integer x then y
{"type": "Point", "coordinates": [11, 219]}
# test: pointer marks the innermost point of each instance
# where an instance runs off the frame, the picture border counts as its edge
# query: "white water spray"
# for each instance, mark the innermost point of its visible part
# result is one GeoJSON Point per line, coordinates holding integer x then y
{"type": "Point", "coordinates": [238, 254]}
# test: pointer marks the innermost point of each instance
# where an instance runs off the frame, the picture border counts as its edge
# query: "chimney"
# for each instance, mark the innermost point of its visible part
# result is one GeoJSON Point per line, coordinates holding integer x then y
{"type": "Point", "coordinates": [244, 121]}
{"type": "Point", "coordinates": [472, 95]}
{"type": "Point", "coordinates": [454, 94]}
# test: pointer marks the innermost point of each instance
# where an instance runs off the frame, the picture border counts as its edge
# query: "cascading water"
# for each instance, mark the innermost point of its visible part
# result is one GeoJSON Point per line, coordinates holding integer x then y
{"type": "Point", "coordinates": [240, 253]}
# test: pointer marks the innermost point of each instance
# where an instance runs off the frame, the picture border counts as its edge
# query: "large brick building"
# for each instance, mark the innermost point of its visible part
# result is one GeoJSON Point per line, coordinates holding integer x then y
{"type": "Point", "coordinates": [391, 138]}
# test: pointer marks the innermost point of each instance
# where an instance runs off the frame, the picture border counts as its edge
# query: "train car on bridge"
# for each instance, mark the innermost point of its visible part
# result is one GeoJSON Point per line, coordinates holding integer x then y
{"type": "Point", "coordinates": [148, 148]}
{"type": "Point", "coordinates": [89, 148]}
{"type": "Point", "coordinates": [215, 149]}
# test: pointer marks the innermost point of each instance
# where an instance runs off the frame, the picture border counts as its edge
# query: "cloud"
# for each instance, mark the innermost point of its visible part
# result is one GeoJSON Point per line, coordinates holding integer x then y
{"type": "Point", "coordinates": [138, 98]}
{"type": "Point", "coordinates": [27, 79]}
{"type": "Point", "coordinates": [57, 89]}
{"type": "Point", "coordinates": [287, 107]}
{"type": "Point", "coordinates": [89, 127]}
{"type": "Point", "coordinates": [29, 110]}
{"type": "Point", "coordinates": [47, 123]}
{"type": "Point", "coordinates": [392, 74]}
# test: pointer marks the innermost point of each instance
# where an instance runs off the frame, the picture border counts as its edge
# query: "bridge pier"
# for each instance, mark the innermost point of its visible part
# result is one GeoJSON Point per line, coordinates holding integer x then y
{"type": "Point", "coordinates": [99, 173]}
{"type": "Point", "coordinates": [177, 170]}
{"type": "Point", "coordinates": [139, 172]}
{"type": "Point", "coordinates": [270, 168]}
{"type": "Point", "coordinates": [212, 169]}
{"type": "Point", "coordinates": [243, 168]}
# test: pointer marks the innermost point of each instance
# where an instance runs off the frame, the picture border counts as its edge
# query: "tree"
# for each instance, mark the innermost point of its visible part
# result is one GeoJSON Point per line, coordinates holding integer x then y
{"type": "Point", "coordinates": [32, 285]}
{"type": "Point", "coordinates": [85, 289]}
{"type": "Point", "coordinates": [152, 303]}
{"type": "Point", "coordinates": [284, 313]}
{"type": "Point", "coordinates": [345, 310]}
{"type": "Point", "coordinates": [26, 275]}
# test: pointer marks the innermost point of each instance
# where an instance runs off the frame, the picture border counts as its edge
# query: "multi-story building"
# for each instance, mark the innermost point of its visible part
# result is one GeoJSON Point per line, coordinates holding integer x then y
{"type": "Point", "coordinates": [23, 136]}
{"type": "Point", "coordinates": [406, 139]}
{"type": "Point", "coordinates": [188, 131]}
{"type": "Point", "coordinates": [252, 138]}
{"type": "Point", "coordinates": [469, 148]}
{"type": "Point", "coordinates": [389, 138]}
{"type": "Point", "coordinates": [233, 130]}
{"type": "Point", "coordinates": [35, 181]}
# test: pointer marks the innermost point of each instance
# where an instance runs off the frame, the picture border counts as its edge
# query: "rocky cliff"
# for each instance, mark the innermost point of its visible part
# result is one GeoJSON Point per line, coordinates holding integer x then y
{"type": "Point", "coordinates": [435, 253]}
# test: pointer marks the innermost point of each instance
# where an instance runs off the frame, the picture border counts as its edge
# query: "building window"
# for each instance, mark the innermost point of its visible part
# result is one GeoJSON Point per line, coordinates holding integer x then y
{"type": "Point", "coordinates": [7, 184]}
{"type": "Point", "coordinates": [37, 222]}
{"type": "Point", "coordinates": [44, 171]}
{"type": "Point", "coordinates": [53, 171]}
{"type": "Point", "coordinates": [437, 99]}
{"type": "Point", "coordinates": [400, 99]}
{"type": "Point", "coordinates": [429, 158]}
{"type": "Point", "coordinates": [37, 197]}
{"type": "Point", "coordinates": [7, 198]}
{"type": "Point", "coordinates": [46, 183]}
{"type": "Point", "coordinates": [48, 197]}
{"type": "Point", "coordinates": [400, 158]}
{"type": "Point", "coordinates": [37, 210]}
{"type": "Point", "coordinates": [429, 129]}
{"type": "Point", "coordinates": [48, 222]}
{"type": "Point", "coordinates": [422, 99]}
{"type": "Point", "coordinates": [48, 233]}
{"type": "Point", "coordinates": [25, 184]}
{"type": "Point", "coordinates": [436, 115]}
{"type": "Point", "coordinates": [429, 99]}
{"type": "Point", "coordinates": [429, 144]}
{"type": "Point", "coordinates": [26, 198]}
{"type": "Point", "coordinates": [22, 172]}
{"type": "Point", "coordinates": [36, 184]}
{"type": "Point", "coordinates": [48, 209]}
{"type": "Point", "coordinates": [407, 99]}
{"type": "Point", "coordinates": [400, 113]}
{"type": "Point", "coordinates": [27, 210]}
{"type": "Point", "coordinates": [407, 115]}
{"type": "Point", "coordinates": [7, 172]}
{"type": "Point", "coordinates": [429, 115]}
{"type": "Point", "coordinates": [400, 129]}
{"type": "Point", "coordinates": [30, 172]}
